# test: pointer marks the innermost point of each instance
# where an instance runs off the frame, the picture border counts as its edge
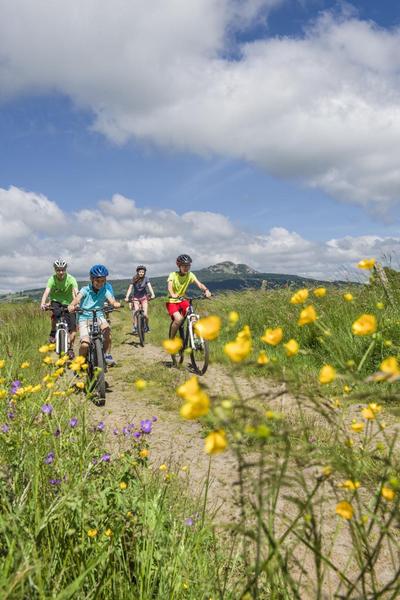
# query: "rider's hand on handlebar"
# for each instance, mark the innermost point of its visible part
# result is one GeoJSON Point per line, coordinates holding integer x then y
{"type": "Point", "coordinates": [72, 308]}
{"type": "Point", "coordinates": [207, 294]}
{"type": "Point", "coordinates": [44, 306]}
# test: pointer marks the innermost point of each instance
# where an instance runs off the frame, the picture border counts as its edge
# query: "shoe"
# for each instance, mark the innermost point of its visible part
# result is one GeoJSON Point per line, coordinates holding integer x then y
{"type": "Point", "coordinates": [134, 330]}
{"type": "Point", "coordinates": [71, 354]}
{"type": "Point", "coordinates": [146, 329]}
{"type": "Point", "coordinates": [109, 360]}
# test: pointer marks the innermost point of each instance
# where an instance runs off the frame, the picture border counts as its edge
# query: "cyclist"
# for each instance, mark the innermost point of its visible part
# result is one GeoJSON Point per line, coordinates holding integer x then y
{"type": "Point", "coordinates": [91, 297]}
{"type": "Point", "coordinates": [142, 292]}
{"type": "Point", "coordinates": [61, 288]}
{"type": "Point", "coordinates": [178, 282]}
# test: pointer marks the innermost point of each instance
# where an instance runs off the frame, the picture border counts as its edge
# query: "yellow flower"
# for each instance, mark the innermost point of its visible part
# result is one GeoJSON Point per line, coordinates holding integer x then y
{"type": "Point", "coordinates": [348, 297]}
{"type": "Point", "coordinates": [371, 411]}
{"type": "Point", "coordinates": [273, 336]}
{"type": "Point", "coordinates": [163, 467]}
{"type": "Point", "coordinates": [390, 365]}
{"type": "Point", "coordinates": [92, 533]}
{"type": "Point", "coordinates": [123, 485]}
{"type": "Point", "coordinates": [51, 347]}
{"type": "Point", "coordinates": [184, 468]}
{"type": "Point", "coordinates": [61, 361]}
{"type": "Point", "coordinates": [319, 292]}
{"type": "Point", "coordinates": [25, 365]}
{"type": "Point", "coordinates": [216, 442]}
{"type": "Point", "coordinates": [367, 263]}
{"type": "Point", "coordinates": [140, 384]}
{"type": "Point", "coordinates": [233, 317]}
{"type": "Point", "coordinates": [144, 453]}
{"type": "Point", "coordinates": [48, 360]}
{"type": "Point", "coordinates": [327, 471]}
{"type": "Point", "coordinates": [58, 372]}
{"type": "Point", "coordinates": [388, 343]}
{"type": "Point", "coordinates": [307, 315]}
{"type": "Point", "coordinates": [238, 350]}
{"type": "Point", "coordinates": [196, 406]}
{"type": "Point", "coordinates": [50, 385]}
{"type": "Point", "coordinates": [244, 334]}
{"type": "Point", "coordinates": [291, 347]}
{"type": "Point", "coordinates": [44, 349]}
{"type": "Point", "coordinates": [80, 360]}
{"type": "Point", "coordinates": [380, 305]}
{"type": "Point", "coordinates": [345, 510]}
{"type": "Point", "coordinates": [79, 384]}
{"type": "Point", "coordinates": [190, 387]}
{"type": "Point", "coordinates": [208, 327]}
{"type": "Point", "coordinates": [364, 325]}
{"type": "Point", "coordinates": [357, 427]}
{"type": "Point", "coordinates": [3, 394]}
{"type": "Point", "coordinates": [388, 493]}
{"type": "Point", "coordinates": [299, 297]}
{"type": "Point", "coordinates": [108, 532]}
{"type": "Point", "coordinates": [172, 346]}
{"type": "Point", "coordinates": [350, 485]}
{"type": "Point", "coordinates": [327, 374]}
{"type": "Point", "coordinates": [262, 358]}
{"type": "Point", "coordinates": [346, 389]}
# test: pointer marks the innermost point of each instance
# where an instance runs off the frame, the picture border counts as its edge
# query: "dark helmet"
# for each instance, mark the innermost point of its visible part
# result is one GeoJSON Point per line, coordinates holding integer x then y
{"type": "Point", "coordinates": [141, 268]}
{"type": "Point", "coordinates": [98, 271]}
{"type": "Point", "coordinates": [184, 259]}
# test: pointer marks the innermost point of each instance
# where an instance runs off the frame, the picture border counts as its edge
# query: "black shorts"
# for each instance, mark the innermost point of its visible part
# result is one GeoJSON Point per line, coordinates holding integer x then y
{"type": "Point", "coordinates": [69, 317]}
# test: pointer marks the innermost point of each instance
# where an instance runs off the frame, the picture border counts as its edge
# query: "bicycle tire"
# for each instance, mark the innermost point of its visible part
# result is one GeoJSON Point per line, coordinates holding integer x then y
{"type": "Point", "coordinates": [99, 365]}
{"type": "Point", "coordinates": [140, 324]}
{"type": "Point", "coordinates": [177, 359]}
{"type": "Point", "coordinates": [61, 342]}
{"type": "Point", "coordinates": [199, 355]}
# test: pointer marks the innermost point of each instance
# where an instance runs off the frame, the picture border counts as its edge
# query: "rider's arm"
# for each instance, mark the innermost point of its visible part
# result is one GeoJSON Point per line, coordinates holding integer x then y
{"type": "Point", "coordinates": [152, 294]}
{"type": "Point", "coordinates": [44, 297]}
{"type": "Point", "coordinates": [75, 302]}
{"type": "Point", "coordinates": [171, 290]}
{"type": "Point", "coordinates": [202, 287]}
{"type": "Point", "coordinates": [75, 292]}
{"type": "Point", "coordinates": [128, 293]}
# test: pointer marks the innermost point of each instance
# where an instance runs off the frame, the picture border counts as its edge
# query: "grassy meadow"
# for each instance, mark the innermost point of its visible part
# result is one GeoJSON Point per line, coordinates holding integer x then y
{"type": "Point", "coordinates": [317, 472]}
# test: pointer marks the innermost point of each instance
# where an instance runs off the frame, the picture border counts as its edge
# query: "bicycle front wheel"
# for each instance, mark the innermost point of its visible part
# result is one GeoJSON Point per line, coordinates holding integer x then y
{"type": "Point", "coordinates": [61, 341]}
{"type": "Point", "coordinates": [199, 355]}
{"type": "Point", "coordinates": [140, 321]}
{"type": "Point", "coordinates": [99, 368]}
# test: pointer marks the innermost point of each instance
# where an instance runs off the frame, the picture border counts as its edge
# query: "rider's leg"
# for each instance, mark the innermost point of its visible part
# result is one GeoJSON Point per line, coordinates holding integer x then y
{"type": "Point", "coordinates": [176, 323]}
{"type": "Point", "coordinates": [84, 336]}
{"type": "Point", "coordinates": [145, 304]}
{"type": "Point", "coordinates": [135, 307]}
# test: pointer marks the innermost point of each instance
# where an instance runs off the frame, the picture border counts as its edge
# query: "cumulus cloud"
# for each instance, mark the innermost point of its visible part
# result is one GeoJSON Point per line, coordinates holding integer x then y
{"type": "Point", "coordinates": [122, 234]}
{"type": "Point", "coordinates": [322, 108]}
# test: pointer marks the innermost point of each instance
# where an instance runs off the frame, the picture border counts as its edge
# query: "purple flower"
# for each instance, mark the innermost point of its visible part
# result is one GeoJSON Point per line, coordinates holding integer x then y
{"type": "Point", "coordinates": [100, 426]}
{"type": "Point", "coordinates": [189, 522]}
{"type": "Point", "coordinates": [130, 426]}
{"type": "Point", "coordinates": [49, 458]}
{"type": "Point", "coordinates": [154, 419]}
{"type": "Point", "coordinates": [5, 428]}
{"type": "Point", "coordinates": [55, 481]}
{"type": "Point", "coordinates": [10, 415]}
{"type": "Point", "coordinates": [312, 439]}
{"type": "Point", "coordinates": [137, 434]}
{"type": "Point", "coordinates": [47, 409]}
{"type": "Point", "coordinates": [146, 426]}
{"type": "Point", "coordinates": [125, 431]}
{"type": "Point", "coordinates": [73, 422]}
{"type": "Point", "coordinates": [106, 457]}
{"type": "Point", "coordinates": [115, 431]}
{"type": "Point", "coordinates": [15, 385]}
{"type": "Point", "coordinates": [57, 432]}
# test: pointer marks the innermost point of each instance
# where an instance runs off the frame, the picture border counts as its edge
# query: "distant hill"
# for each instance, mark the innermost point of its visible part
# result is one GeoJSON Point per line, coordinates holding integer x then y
{"type": "Point", "coordinates": [221, 277]}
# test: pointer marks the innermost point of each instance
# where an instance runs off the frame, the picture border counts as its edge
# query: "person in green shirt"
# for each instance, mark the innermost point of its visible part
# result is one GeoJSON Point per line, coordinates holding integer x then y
{"type": "Point", "coordinates": [61, 289]}
{"type": "Point", "coordinates": [178, 283]}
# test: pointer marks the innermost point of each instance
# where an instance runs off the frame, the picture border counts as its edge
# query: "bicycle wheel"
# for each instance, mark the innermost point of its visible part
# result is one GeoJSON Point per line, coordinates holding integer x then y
{"type": "Point", "coordinates": [199, 355]}
{"type": "Point", "coordinates": [61, 341]}
{"type": "Point", "coordinates": [140, 323]}
{"type": "Point", "coordinates": [99, 366]}
{"type": "Point", "coordinates": [177, 359]}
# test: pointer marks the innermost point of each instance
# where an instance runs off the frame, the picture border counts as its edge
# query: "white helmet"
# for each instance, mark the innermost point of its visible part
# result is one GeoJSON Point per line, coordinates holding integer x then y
{"type": "Point", "coordinates": [60, 263]}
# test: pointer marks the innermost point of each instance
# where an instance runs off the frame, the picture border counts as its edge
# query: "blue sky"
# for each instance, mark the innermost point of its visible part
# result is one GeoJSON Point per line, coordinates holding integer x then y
{"type": "Point", "coordinates": [74, 141]}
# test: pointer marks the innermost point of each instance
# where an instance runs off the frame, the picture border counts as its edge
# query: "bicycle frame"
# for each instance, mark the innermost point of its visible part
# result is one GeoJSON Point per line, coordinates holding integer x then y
{"type": "Point", "coordinates": [62, 334]}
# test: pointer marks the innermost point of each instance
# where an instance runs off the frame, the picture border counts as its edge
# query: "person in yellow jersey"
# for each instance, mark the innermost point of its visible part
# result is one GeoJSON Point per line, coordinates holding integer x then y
{"type": "Point", "coordinates": [178, 283]}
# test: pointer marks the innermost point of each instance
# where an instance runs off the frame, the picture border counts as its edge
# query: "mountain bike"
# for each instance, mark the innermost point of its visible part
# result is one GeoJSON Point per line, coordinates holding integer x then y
{"type": "Point", "coordinates": [141, 323]}
{"type": "Point", "coordinates": [61, 336]}
{"type": "Point", "coordinates": [199, 350]}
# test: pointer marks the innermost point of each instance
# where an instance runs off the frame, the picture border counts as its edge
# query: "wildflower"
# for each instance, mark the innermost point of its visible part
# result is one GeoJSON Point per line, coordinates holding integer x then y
{"type": "Point", "coordinates": [100, 426]}
{"type": "Point", "coordinates": [44, 349]}
{"type": "Point", "coordinates": [172, 346]}
{"type": "Point", "coordinates": [25, 365]}
{"type": "Point", "coordinates": [123, 485]}
{"type": "Point", "coordinates": [144, 453]}
{"type": "Point", "coordinates": [48, 360]}
{"type": "Point", "coordinates": [184, 468]}
{"type": "Point", "coordinates": [3, 394]}
{"type": "Point", "coordinates": [216, 442]}
{"type": "Point", "coordinates": [189, 522]}
{"type": "Point", "coordinates": [307, 315]}
{"type": "Point", "coordinates": [345, 510]}
{"type": "Point", "coordinates": [319, 292]}
{"type": "Point", "coordinates": [196, 405]}
{"type": "Point", "coordinates": [146, 426]}
{"type": "Point", "coordinates": [350, 485]}
{"type": "Point", "coordinates": [163, 467]}
{"type": "Point", "coordinates": [299, 297]}
{"type": "Point", "coordinates": [36, 388]}
{"type": "Point", "coordinates": [58, 372]}
{"type": "Point", "coordinates": [238, 350]}
{"type": "Point", "coordinates": [92, 533]}
{"type": "Point", "coordinates": [57, 433]}
{"type": "Point", "coordinates": [327, 471]}
{"type": "Point", "coordinates": [390, 365]}
{"type": "Point", "coordinates": [364, 325]}
{"type": "Point", "coordinates": [47, 409]}
{"type": "Point", "coordinates": [54, 481]}
{"type": "Point", "coordinates": [380, 305]}
{"type": "Point", "coordinates": [208, 327]}
{"type": "Point", "coordinates": [108, 532]}
{"type": "Point", "coordinates": [5, 428]}
{"type": "Point", "coordinates": [273, 336]}
{"type": "Point", "coordinates": [291, 347]}
{"type": "Point", "coordinates": [2, 363]}
{"type": "Point", "coordinates": [367, 263]}
{"type": "Point", "coordinates": [15, 386]}
{"type": "Point", "coordinates": [348, 297]}
{"type": "Point", "coordinates": [49, 458]}
{"type": "Point", "coordinates": [106, 457]}
{"type": "Point", "coordinates": [327, 374]}
{"type": "Point", "coordinates": [371, 411]}
{"type": "Point", "coordinates": [262, 358]}
{"type": "Point", "coordinates": [79, 384]}
{"type": "Point", "coordinates": [346, 389]}
{"type": "Point", "coordinates": [140, 384]}
{"type": "Point", "coordinates": [350, 363]}
{"type": "Point", "coordinates": [50, 385]}
{"type": "Point", "coordinates": [73, 422]}
{"type": "Point", "coordinates": [190, 387]}
{"type": "Point", "coordinates": [388, 343]}
{"type": "Point", "coordinates": [388, 493]}
{"type": "Point", "coordinates": [154, 419]}
{"type": "Point", "coordinates": [233, 317]}
{"type": "Point", "coordinates": [357, 427]}
{"type": "Point", "coordinates": [244, 334]}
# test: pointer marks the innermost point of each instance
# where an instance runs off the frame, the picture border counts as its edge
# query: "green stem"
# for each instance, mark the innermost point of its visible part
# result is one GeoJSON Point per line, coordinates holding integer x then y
{"type": "Point", "coordinates": [364, 358]}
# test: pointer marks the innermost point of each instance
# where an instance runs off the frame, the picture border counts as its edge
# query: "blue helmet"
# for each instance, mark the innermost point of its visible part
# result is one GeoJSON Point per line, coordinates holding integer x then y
{"type": "Point", "coordinates": [98, 271]}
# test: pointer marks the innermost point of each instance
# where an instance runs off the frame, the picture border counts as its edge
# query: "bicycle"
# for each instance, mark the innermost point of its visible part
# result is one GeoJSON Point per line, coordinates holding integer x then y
{"type": "Point", "coordinates": [62, 336]}
{"type": "Point", "coordinates": [141, 323]}
{"type": "Point", "coordinates": [199, 349]}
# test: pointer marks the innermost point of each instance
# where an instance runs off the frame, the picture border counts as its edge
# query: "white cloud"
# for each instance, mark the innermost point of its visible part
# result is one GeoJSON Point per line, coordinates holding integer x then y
{"type": "Point", "coordinates": [121, 235]}
{"type": "Point", "coordinates": [323, 108]}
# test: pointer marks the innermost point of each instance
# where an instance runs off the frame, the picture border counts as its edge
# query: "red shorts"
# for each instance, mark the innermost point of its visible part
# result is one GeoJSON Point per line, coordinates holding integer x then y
{"type": "Point", "coordinates": [173, 307]}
